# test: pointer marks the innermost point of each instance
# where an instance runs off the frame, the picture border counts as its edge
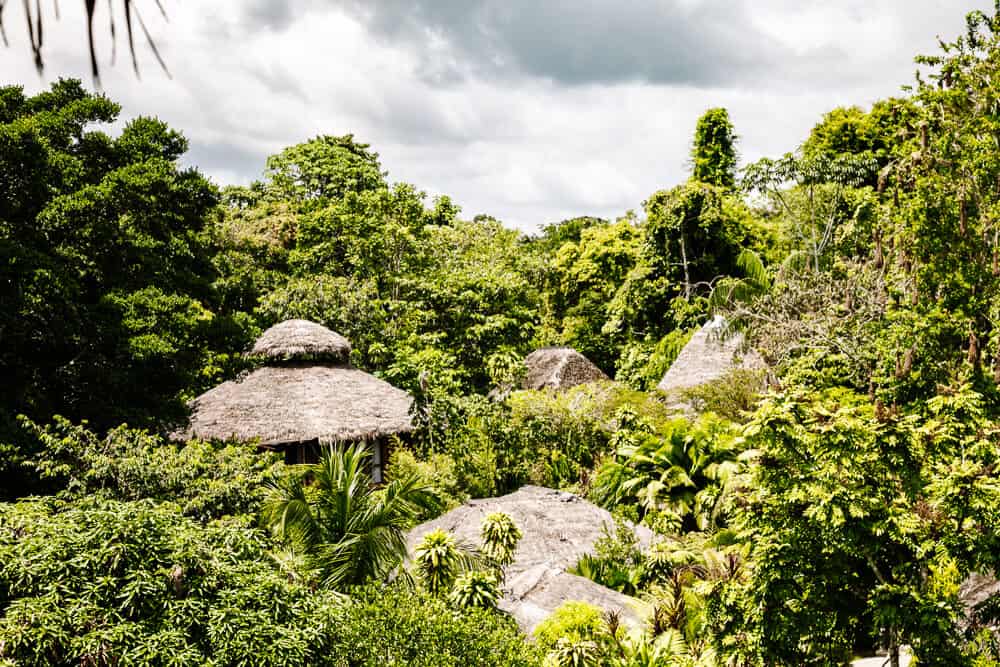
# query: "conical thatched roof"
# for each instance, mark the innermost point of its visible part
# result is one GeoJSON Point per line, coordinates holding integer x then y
{"type": "Point", "coordinates": [558, 528]}
{"type": "Point", "coordinates": [559, 368]}
{"type": "Point", "coordinates": [301, 340]}
{"type": "Point", "coordinates": [310, 400]}
{"type": "Point", "coordinates": [708, 356]}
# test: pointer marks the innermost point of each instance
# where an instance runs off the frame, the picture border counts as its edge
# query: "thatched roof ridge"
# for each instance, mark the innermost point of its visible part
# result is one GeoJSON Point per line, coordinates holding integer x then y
{"type": "Point", "coordinates": [301, 340]}
{"type": "Point", "coordinates": [708, 356]}
{"type": "Point", "coordinates": [531, 597]}
{"type": "Point", "coordinates": [289, 404]}
{"type": "Point", "coordinates": [559, 368]}
{"type": "Point", "coordinates": [558, 528]}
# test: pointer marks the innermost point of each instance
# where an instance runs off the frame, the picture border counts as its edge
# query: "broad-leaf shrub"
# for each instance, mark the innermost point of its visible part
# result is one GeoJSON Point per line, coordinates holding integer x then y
{"type": "Point", "coordinates": [100, 581]}
{"type": "Point", "coordinates": [673, 475]}
{"type": "Point", "coordinates": [206, 479]}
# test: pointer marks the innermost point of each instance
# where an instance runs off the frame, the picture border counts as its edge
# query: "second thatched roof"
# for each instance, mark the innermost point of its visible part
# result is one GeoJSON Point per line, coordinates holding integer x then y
{"type": "Point", "coordinates": [305, 393]}
{"type": "Point", "coordinates": [708, 356]}
{"type": "Point", "coordinates": [558, 528]}
{"type": "Point", "coordinates": [559, 368]}
{"type": "Point", "coordinates": [283, 405]}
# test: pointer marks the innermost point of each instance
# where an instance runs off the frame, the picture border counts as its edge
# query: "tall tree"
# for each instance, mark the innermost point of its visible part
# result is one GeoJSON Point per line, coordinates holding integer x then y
{"type": "Point", "coordinates": [105, 269]}
{"type": "Point", "coordinates": [326, 168]}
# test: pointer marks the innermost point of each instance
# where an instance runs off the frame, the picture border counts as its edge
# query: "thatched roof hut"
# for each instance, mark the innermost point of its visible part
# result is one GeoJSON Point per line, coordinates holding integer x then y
{"type": "Point", "coordinates": [559, 368]}
{"type": "Point", "coordinates": [558, 528]}
{"type": "Point", "coordinates": [707, 357]}
{"type": "Point", "coordinates": [306, 394]}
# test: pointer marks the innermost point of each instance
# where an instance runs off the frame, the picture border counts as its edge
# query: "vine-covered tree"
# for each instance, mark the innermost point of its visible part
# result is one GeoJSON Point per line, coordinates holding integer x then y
{"type": "Point", "coordinates": [713, 156]}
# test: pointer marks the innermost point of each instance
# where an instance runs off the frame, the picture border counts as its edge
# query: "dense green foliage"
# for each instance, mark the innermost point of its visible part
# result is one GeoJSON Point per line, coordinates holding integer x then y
{"type": "Point", "coordinates": [714, 152]}
{"type": "Point", "coordinates": [106, 263]}
{"type": "Point", "coordinates": [207, 480]}
{"type": "Point", "coordinates": [99, 582]}
{"type": "Point", "coordinates": [831, 505]}
{"type": "Point", "coordinates": [136, 581]}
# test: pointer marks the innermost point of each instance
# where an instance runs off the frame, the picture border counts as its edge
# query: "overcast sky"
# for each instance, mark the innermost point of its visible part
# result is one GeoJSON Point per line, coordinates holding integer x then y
{"type": "Point", "coordinates": [529, 110]}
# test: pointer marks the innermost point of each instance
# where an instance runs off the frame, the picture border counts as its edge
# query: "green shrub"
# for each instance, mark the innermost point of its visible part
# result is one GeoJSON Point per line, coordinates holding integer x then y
{"type": "Point", "coordinates": [732, 396]}
{"type": "Point", "coordinates": [393, 627]}
{"type": "Point", "coordinates": [678, 474]}
{"type": "Point", "coordinates": [571, 621]}
{"type": "Point", "coordinates": [643, 364]}
{"type": "Point", "coordinates": [99, 582]}
{"type": "Point", "coordinates": [439, 471]}
{"type": "Point", "coordinates": [206, 479]}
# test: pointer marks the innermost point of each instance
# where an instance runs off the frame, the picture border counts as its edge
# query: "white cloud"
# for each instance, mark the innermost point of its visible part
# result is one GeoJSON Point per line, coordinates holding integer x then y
{"type": "Point", "coordinates": [520, 144]}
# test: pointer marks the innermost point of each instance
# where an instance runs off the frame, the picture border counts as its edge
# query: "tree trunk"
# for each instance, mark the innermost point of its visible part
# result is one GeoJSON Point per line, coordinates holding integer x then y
{"type": "Point", "coordinates": [893, 648]}
{"type": "Point", "coordinates": [684, 261]}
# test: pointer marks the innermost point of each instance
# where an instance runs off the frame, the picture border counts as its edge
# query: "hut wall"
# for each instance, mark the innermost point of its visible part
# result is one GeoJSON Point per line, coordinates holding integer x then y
{"type": "Point", "coordinates": [309, 452]}
{"type": "Point", "coordinates": [302, 452]}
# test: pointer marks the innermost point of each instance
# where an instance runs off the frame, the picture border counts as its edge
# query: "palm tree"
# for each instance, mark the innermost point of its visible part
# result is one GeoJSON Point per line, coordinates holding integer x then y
{"type": "Point", "coordinates": [348, 530]}
{"type": "Point", "coordinates": [683, 471]}
{"type": "Point", "coordinates": [130, 10]}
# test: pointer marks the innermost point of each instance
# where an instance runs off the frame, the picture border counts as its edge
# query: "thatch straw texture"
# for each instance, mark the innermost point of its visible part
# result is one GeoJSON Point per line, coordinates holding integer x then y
{"type": "Point", "coordinates": [291, 404]}
{"type": "Point", "coordinates": [534, 594]}
{"type": "Point", "coordinates": [707, 357]}
{"type": "Point", "coordinates": [975, 590]}
{"type": "Point", "coordinates": [559, 368]}
{"type": "Point", "coordinates": [558, 528]}
{"type": "Point", "coordinates": [301, 340]}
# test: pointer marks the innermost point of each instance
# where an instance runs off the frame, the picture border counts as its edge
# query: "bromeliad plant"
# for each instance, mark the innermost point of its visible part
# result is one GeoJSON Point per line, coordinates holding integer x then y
{"type": "Point", "coordinates": [471, 578]}
{"type": "Point", "coordinates": [437, 561]}
{"type": "Point", "coordinates": [500, 538]}
{"type": "Point", "coordinates": [475, 589]}
{"type": "Point", "coordinates": [348, 530]}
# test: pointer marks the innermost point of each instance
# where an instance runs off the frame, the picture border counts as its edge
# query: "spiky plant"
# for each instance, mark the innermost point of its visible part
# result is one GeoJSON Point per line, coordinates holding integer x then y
{"type": "Point", "coordinates": [500, 538]}
{"type": "Point", "coordinates": [475, 589]}
{"type": "Point", "coordinates": [436, 561]}
{"type": "Point", "coordinates": [569, 653]}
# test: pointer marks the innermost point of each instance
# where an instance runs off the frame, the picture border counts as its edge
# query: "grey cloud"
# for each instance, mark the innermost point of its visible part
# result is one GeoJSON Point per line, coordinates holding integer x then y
{"type": "Point", "coordinates": [279, 81]}
{"type": "Point", "coordinates": [575, 42]}
{"type": "Point", "coordinates": [225, 158]}
{"type": "Point", "coordinates": [271, 14]}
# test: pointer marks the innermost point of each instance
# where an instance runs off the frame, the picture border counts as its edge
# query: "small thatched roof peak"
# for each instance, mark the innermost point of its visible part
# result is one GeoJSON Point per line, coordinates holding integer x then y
{"type": "Point", "coordinates": [301, 340]}
{"type": "Point", "coordinates": [559, 368]}
{"type": "Point", "coordinates": [708, 356]}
